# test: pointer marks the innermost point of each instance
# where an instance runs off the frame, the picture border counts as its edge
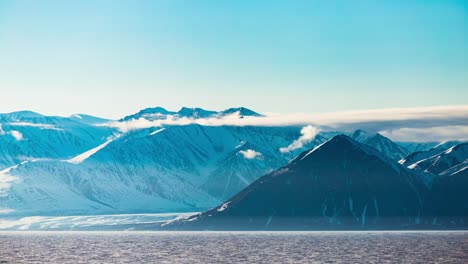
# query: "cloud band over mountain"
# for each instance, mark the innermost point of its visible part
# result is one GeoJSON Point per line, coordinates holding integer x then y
{"type": "Point", "coordinates": [397, 123]}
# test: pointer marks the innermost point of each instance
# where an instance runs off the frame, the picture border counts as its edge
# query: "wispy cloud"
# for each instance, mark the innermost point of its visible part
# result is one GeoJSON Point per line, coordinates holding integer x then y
{"type": "Point", "coordinates": [40, 126]}
{"type": "Point", "coordinates": [428, 134]}
{"type": "Point", "coordinates": [308, 134]}
{"type": "Point", "coordinates": [250, 154]}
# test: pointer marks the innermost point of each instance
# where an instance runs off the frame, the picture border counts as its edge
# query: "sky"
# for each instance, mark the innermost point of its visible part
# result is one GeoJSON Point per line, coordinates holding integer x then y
{"type": "Point", "coordinates": [113, 58]}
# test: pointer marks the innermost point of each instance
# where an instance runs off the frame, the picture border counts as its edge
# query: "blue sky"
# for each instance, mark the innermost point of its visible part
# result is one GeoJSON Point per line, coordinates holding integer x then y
{"type": "Point", "coordinates": [111, 58]}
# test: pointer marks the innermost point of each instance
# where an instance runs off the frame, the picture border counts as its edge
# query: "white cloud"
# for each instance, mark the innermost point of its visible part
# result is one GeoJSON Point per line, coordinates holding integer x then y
{"type": "Point", "coordinates": [250, 154]}
{"type": "Point", "coordinates": [5, 211]}
{"type": "Point", "coordinates": [440, 133]}
{"type": "Point", "coordinates": [325, 119]}
{"type": "Point", "coordinates": [40, 126]}
{"type": "Point", "coordinates": [308, 134]}
{"type": "Point", "coordinates": [17, 135]}
{"type": "Point", "coordinates": [372, 120]}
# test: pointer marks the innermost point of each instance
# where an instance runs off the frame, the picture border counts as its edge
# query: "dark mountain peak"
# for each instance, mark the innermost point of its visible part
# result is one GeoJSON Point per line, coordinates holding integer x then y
{"type": "Point", "coordinates": [242, 111]}
{"type": "Point", "coordinates": [360, 135]}
{"type": "Point", "coordinates": [341, 146]}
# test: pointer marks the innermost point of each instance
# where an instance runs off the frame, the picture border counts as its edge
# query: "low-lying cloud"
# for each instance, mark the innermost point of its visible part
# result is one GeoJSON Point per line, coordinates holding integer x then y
{"type": "Point", "coordinates": [308, 134]}
{"type": "Point", "coordinates": [250, 154]}
{"type": "Point", "coordinates": [373, 120]}
{"type": "Point", "coordinates": [428, 134]}
{"type": "Point", "coordinates": [40, 126]}
{"type": "Point", "coordinates": [16, 134]}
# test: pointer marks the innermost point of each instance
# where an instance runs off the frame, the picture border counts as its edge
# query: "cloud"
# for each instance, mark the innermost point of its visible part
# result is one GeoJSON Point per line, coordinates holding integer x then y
{"type": "Point", "coordinates": [40, 126]}
{"type": "Point", "coordinates": [373, 120]}
{"type": "Point", "coordinates": [17, 135]}
{"type": "Point", "coordinates": [441, 133]}
{"type": "Point", "coordinates": [308, 133]}
{"type": "Point", "coordinates": [5, 211]}
{"type": "Point", "coordinates": [335, 119]}
{"type": "Point", "coordinates": [250, 154]}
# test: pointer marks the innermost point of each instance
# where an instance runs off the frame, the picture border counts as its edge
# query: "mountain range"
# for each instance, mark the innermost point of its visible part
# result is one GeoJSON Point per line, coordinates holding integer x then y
{"type": "Point", "coordinates": [85, 165]}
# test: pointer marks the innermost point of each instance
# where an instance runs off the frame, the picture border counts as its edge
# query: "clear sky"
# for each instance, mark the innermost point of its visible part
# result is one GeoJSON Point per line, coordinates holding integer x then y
{"type": "Point", "coordinates": [112, 58]}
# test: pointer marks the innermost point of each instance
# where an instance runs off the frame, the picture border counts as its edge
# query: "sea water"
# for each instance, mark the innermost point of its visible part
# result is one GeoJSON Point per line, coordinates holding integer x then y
{"type": "Point", "coordinates": [233, 247]}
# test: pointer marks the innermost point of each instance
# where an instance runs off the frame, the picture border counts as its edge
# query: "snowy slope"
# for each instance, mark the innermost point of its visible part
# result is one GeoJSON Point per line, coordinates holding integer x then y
{"type": "Point", "coordinates": [420, 155]}
{"type": "Point", "coordinates": [28, 135]}
{"type": "Point", "coordinates": [439, 163]}
{"type": "Point", "coordinates": [183, 168]}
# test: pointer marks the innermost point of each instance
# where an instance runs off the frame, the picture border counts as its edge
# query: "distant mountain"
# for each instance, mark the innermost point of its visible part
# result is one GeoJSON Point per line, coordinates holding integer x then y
{"type": "Point", "coordinates": [242, 111]}
{"type": "Point", "coordinates": [381, 143]}
{"type": "Point", "coordinates": [417, 146]}
{"type": "Point", "coordinates": [154, 113]}
{"type": "Point", "coordinates": [88, 119]}
{"type": "Point", "coordinates": [158, 113]}
{"type": "Point", "coordinates": [439, 163]}
{"type": "Point", "coordinates": [340, 184]}
{"type": "Point", "coordinates": [420, 155]}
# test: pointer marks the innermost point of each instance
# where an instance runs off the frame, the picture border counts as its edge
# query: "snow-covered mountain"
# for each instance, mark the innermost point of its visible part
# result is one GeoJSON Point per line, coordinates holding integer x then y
{"type": "Point", "coordinates": [77, 165]}
{"type": "Point", "coordinates": [175, 168]}
{"type": "Point", "coordinates": [420, 155]}
{"type": "Point", "coordinates": [381, 143]}
{"type": "Point", "coordinates": [441, 162]}
{"type": "Point", "coordinates": [27, 135]}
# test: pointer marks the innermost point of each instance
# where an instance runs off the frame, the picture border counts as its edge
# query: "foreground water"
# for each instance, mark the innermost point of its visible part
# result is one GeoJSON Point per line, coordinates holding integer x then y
{"type": "Point", "coordinates": [233, 247]}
